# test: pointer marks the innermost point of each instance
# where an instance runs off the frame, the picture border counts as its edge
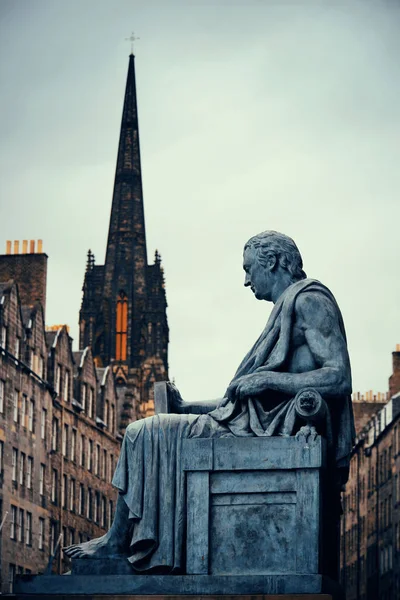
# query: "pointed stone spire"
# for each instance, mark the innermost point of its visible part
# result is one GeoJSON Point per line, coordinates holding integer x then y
{"type": "Point", "coordinates": [126, 256]}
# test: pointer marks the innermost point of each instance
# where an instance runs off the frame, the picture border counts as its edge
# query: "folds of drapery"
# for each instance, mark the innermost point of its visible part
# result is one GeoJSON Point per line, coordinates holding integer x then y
{"type": "Point", "coordinates": [149, 474]}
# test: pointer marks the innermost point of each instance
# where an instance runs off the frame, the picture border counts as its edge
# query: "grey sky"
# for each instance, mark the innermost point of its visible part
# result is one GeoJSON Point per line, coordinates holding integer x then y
{"type": "Point", "coordinates": [253, 115]}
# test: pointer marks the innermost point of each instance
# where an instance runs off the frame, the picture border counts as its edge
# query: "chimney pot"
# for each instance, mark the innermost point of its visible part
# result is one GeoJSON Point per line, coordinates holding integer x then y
{"type": "Point", "coordinates": [32, 247]}
{"type": "Point", "coordinates": [16, 246]}
{"type": "Point", "coordinates": [40, 246]}
{"type": "Point", "coordinates": [24, 246]}
{"type": "Point", "coordinates": [8, 247]}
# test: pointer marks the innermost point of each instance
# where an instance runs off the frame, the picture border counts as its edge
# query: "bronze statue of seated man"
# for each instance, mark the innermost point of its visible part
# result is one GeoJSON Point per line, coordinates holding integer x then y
{"type": "Point", "coordinates": [303, 345]}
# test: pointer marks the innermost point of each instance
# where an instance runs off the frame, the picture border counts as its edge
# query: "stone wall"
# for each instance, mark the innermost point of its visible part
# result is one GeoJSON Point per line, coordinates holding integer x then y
{"type": "Point", "coordinates": [42, 421]}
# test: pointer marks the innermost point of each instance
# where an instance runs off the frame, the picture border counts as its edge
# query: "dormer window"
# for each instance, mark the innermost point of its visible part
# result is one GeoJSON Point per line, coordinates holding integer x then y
{"type": "Point", "coordinates": [66, 386]}
{"type": "Point", "coordinates": [17, 348]}
{"type": "Point", "coordinates": [3, 336]}
{"type": "Point", "coordinates": [58, 379]}
{"type": "Point", "coordinates": [83, 396]}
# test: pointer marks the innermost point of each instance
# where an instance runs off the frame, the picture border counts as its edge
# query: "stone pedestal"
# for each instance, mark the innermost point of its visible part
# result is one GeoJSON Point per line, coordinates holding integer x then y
{"type": "Point", "coordinates": [254, 506]}
{"type": "Point", "coordinates": [119, 597]}
{"type": "Point", "coordinates": [180, 587]}
{"type": "Point", "coordinates": [254, 513]}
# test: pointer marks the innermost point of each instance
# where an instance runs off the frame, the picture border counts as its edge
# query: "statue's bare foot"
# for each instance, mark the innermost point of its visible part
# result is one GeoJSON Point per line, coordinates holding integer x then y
{"type": "Point", "coordinates": [106, 546]}
{"type": "Point", "coordinates": [307, 434]}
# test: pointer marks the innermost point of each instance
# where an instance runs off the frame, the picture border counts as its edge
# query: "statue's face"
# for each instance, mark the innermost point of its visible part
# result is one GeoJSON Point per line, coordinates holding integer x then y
{"type": "Point", "coordinates": [258, 277]}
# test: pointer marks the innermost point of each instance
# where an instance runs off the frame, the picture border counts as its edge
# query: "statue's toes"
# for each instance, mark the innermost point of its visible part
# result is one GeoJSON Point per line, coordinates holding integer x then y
{"type": "Point", "coordinates": [75, 552]}
{"type": "Point", "coordinates": [313, 435]}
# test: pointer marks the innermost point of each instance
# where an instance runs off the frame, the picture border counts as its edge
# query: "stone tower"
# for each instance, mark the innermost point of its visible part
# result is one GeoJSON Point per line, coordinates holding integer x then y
{"type": "Point", "coordinates": [123, 312]}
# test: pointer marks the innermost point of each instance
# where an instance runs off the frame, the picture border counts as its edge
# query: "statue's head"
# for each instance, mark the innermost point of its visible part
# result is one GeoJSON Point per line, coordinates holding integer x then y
{"type": "Point", "coordinates": [271, 258]}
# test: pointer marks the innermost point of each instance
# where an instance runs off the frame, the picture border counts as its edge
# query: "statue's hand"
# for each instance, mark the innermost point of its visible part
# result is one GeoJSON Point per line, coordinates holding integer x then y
{"type": "Point", "coordinates": [175, 400]}
{"type": "Point", "coordinates": [250, 385]}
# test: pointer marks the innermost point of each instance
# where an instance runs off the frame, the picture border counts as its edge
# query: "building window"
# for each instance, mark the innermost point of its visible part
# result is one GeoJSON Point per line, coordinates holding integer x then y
{"type": "Point", "coordinates": [31, 358]}
{"type": "Point", "coordinates": [11, 577]}
{"type": "Point", "coordinates": [110, 513]}
{"type": "Point", "coordinates": [72, 494]}
{"type": "Point", "coordinates": [90, 403]}
{"type": "Point", "coordinates": [112, 418]}
{"type": "Point", "coordinates": [30, 414]}
{"type": "Point", "coordinates": [89, 507]}
{"type": "Point", "coordinates": [1, 456]}
{"type": "Point", "coordinates": [29, 472]}
{"type": "Point", "coordinates": [66, 386]}
{"type": "Point", "coordinates": [3, 336]}
{"type": "Point", "coordinates": [41, 372]}
{"type": "Point", "coordinates": [103, 512]}
{"type": "Point", "coordinates": [111, 466]}
{"type": "Point", "coordinates": [21, 468]}
{"type": "Point", "coordinates": [83, 395]}
{"type": "Point", "coordinates": [90, 456]}
{"type": "Point", "coordinates": [41, 533]}
{"type": "Point", "coordinates": [2, 393]}
{"type": "Point", "coordinates": [42, 479]}
{"type": "Point", "coordinates": [53, 536]}
{"type": "Point", "coordinates": [97, 507]}
{"type": "Point", "coordinates": [121, 330]}
{"type": "Point", "coordinates": [106, 412]}
{"type": "Point", "coordinates": [17, 350]}
{"type": "Point", "coordinates": [13, 522]}
{"type": "Point", "coordinates": [81, 499]}
{"type": "Point", "coordinates": [14, 464]}
{"type": "Point", "coordinates": [28, 535]}
{"type": "Point", "coordinates": [64, 491]}
{"type": "Point", "coordinates": [21, 525]}
{"type": "Point", "coordinates": [82, 454]}
{"type": "Point", "coordinates": [97, 460]}
{"type": "Point", "coordinates": [54, 435]}
{"type": "Point", "coordinates": [54, 486]}
{"type": "Point", "coordinates": [24, 405]}
{"type": "Point", "coordinates": [15, 405]}
{"type": "Point", "coordinates": [43, 424]}
{"type": "Point", "coordinates": [104, 473]}
{"type": "Point", "coordinates": [57, 384]}
{"type": "Point", "coordinates": [65, 440]}
{"type": "Point", "coordinates": [73, 445]}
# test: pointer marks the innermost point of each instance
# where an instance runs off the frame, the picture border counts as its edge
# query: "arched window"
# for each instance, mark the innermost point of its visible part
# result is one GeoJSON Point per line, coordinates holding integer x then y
{"type": "Point", "coordinates": [121, 336]}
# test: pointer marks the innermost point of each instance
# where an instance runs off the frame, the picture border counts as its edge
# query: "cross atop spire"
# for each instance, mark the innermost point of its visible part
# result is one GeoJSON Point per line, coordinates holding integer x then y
{"type": "Point", "coordinates": [132, 39]}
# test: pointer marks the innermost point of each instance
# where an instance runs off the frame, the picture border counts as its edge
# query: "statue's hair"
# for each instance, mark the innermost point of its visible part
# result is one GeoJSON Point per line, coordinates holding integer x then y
{"type": "Point", "coordinates": [283, 247]}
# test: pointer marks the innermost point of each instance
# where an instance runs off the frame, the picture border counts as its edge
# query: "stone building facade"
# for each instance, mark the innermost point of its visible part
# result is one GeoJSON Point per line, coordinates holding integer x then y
{"type": "Point", "coordinates": [62, 412]}
{"type": "Point", "coordinates": [123, 314]}
{"type": "Point", "coordinates": [58, 430]}
{"type": "Point", "coordinates": [370, 524]}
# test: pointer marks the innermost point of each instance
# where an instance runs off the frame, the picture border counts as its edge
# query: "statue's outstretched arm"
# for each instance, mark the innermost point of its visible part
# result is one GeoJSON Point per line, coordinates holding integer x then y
{"type": "Point", "coordinates": [179, 406]}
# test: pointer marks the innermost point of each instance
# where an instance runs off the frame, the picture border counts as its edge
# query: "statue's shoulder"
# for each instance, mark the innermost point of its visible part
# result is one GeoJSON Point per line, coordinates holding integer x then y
{"type": "Point", "coordinates": [315, 303]}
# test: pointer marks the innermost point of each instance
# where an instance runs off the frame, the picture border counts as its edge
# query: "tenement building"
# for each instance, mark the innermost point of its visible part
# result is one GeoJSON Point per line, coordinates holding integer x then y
{"type": "Point", "coordinates": [123, 313]}
{"type": "Point", "coordinates": [370, 525]}
{"type": "Point", "coordinates": [58, 430]}
{"type": "Point", "coordinates": [62, 411]}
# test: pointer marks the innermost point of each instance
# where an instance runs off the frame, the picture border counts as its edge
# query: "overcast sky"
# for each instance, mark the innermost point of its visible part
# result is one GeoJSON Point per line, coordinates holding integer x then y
{"type": "Point", "coordinates": [254, 115]}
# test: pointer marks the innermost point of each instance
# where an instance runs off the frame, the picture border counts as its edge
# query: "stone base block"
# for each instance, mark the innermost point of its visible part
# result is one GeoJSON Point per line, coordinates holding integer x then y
{"type": "Point", "coordinates": [284, 587]}
{"type": "Point", "coordinates": [119, 597]}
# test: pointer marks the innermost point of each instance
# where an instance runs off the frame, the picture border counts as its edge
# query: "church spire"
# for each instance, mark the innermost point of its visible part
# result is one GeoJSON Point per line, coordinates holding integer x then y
{"type": "Point", "coordinates": [123, 313]}
{"type": "Point", "coordinates": [126, 256]}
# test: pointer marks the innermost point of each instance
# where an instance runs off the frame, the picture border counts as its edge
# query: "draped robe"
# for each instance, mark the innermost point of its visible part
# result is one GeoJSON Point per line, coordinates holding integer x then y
{"type": "Point", "coordinates": [148, 473]}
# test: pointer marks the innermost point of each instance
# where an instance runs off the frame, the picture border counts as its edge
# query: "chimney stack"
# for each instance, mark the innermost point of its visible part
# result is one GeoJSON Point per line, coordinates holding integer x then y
{"type": "Point", "coordinates": [28, 270]}
{"type": "Point", "coordinates": [394, 379]}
